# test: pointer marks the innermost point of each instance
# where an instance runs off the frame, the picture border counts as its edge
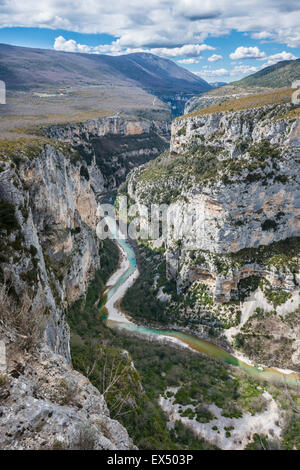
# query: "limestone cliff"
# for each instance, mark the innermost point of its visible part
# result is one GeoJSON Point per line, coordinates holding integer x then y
{"type": "Point", "coordinates": [49, 249]}
{"type": "Point", "coordinates": [112, 146]}
{"type": "Point", "coordinates": [232, 180]}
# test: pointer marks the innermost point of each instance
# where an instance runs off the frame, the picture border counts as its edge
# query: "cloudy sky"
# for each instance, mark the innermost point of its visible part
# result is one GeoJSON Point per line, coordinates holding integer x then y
{"type": "Point", "coordinates": [221, 40]}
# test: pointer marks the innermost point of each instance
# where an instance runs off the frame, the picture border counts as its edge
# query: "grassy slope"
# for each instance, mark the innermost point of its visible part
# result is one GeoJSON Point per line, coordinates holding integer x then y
{"type": "Point", "coordinates": [247, 102]}
{"type": "Point", "coordinates": [278, 75]}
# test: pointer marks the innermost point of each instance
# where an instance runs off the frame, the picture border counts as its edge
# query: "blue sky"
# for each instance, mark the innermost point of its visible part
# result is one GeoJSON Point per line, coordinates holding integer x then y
{"type": "Point", "coordinates": [219, 40]}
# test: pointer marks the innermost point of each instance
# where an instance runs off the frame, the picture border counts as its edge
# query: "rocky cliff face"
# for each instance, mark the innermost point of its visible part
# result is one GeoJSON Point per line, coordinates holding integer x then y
{"type": "Point", "coordinates": [113, 146]}
{"type": "Point", "coordinates": [177, 102]}
{"type": "Point", "coordinates": [55, 210]}
{"type": "Point", "coordinates": [49, 249]}
{"type": "Point", "coordinates": [231, 180]}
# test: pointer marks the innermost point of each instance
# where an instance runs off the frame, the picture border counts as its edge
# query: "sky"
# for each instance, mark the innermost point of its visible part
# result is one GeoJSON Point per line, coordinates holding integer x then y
{"type": "Point", "coordinates": [220, 40]}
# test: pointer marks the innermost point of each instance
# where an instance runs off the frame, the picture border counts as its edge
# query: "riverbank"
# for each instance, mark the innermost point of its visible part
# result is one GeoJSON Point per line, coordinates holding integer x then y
{"type": "Point", "coordinates": [112, 305]}
{"type": "Point", "coordinates": [124, 278]}
{"type": "Point", "coordinates": [160, 364]}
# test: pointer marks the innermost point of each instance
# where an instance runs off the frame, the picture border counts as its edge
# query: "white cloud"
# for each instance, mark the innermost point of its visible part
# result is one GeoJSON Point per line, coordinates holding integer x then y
{"type": "Point", "coordinates": [160, 24]}
{"type": "Point", "coordinates": [273, 59]}
{"type": "Point", "coordinates": [215, 58]}
{"type": "Point", "coordinates": [244, 69]}
{"type": "Point", "coordinates": [61, 44]}
{"type": "Point", "coordinates": [189, 50]}
{"type": "Point", "coordinates": [188, 61]}
{"type": "Point", "coordinates": [238, 71]}
{"type": "Point", "coordinates": [261, 35]}
{"type": "Point", "coordinates": [209, 73]}
{"type": "Point", "coordinates": [192, 50]}
{"type": "Point", "coordinates": [241, 70]}
{"type": "Point", "coordinates": [247, 53]}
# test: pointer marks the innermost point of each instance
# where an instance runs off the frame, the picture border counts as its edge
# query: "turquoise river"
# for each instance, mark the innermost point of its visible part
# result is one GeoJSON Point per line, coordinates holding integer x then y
{"type": "Point", "coordinates": [197, 344]}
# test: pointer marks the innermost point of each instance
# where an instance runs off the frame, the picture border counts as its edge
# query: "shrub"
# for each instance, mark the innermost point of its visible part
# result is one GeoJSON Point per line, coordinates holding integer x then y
{"type": "Point", "coordinates": [269, 224]}
{"type": "Point", "coordinates": [4, 379]}
{"type": "Point", "coordinates": [67, 392]}
{"type": "Point", "coordinates": [181, 131]}
{"type": "Point", "coordinates": [8, 220]}
{"type": "Point", "coordinates": [33, 250]}
{"type": "Point", "coordinates": [25, 321]}
{"type": "Point", "coordinates": [84, 172]}
{"type": "Point", "coordinates": [85, 438]}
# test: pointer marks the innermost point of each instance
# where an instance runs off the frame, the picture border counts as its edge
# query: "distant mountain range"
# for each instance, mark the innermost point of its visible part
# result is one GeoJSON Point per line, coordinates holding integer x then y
{"type": "Point", "coordinates": [25, 68]}
{"type": "Point", "coordinates": [278, 75]}
{"type": "Point", "coordinates": [217, 84]}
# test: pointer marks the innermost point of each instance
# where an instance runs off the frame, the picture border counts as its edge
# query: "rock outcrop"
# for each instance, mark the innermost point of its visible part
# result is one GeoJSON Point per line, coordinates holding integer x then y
{"type": "Point", "coordinates": [231, 185]}
{"type": "Point", "coordinates": [46, 404]}
{"type": "Point", "coordinates": [232, 182]}
{"type": "Point", "coordinates": [49, 249]}
{"type": "Point", "coordinates": [112, 146]}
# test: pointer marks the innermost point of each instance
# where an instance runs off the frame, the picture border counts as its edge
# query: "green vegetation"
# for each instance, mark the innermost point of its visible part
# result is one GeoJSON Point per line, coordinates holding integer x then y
{"type": "Point", "coordinates": [140, 300]}
{"type": "Point", "coordinates": [8, 220]}
{"type": "Point", "coordinates": [109, 258]}
{"type": "Point", "coordinates": [278, 75]}
{"type": "Point", "coordinates": [259, 442]}
{"type": "Point", "coordinates": [202, 294]}
{"type": "Point", "coordinates": [182, 131]}
{"type": "Point", "coordinates": [269, 224]}
{"type": "Point", "coordinates": [233, 394]}
{"type": "Point", "coordinates": [198, 164]}
{"type": "Point", "coordinates": [283, 255]}
{"type": "Point", "coordinates": [195, 305]}
{"type": "Point", "coordinates": [247, 285]}
{"type": "Point", "coordinates": [191, 308]}
{"type": "Point", "coordinates": [277, 296]}
{"type": "Point", "coordinates": [247, 102]}
{"type": "Point", "coordinates": [266, 338]}
{"type": "Point", "coordinates": [263, 150]}
{"type": "Point", "coordinates": [25, 148]}
{"type": "Point", "coordinates": [98, 351]}
{"type": "Point", "coordinates": [291, 433]}
{"type": "Point", "coordinates": [200, 379]}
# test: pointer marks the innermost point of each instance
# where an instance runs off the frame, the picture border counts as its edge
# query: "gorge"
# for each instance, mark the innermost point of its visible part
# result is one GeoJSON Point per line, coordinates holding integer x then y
{"type": "Point", "coordinates": [239, 171]}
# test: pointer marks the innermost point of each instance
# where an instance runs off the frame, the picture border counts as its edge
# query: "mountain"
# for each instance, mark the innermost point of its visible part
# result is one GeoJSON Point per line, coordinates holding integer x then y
{"type": "Point", "coordinates": [25, 68]}
{"type": "Point", "coordinates": [278, 75]}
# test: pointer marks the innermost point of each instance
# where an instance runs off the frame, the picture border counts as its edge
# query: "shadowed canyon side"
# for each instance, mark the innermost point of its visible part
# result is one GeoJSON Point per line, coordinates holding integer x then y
{"type": "Point", "coordinates": [112, 146]}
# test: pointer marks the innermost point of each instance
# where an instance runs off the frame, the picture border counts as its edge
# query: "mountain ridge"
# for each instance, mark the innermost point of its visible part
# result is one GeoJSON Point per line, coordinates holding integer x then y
{"type": "Point", "coordinates": [144, 69]}
{"type": "Point", "coordinates": [278, 75]}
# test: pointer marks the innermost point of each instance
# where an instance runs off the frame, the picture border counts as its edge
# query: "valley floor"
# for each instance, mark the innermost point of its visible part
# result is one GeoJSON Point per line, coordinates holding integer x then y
{"type": "Point", "coordinates": [217, 407]}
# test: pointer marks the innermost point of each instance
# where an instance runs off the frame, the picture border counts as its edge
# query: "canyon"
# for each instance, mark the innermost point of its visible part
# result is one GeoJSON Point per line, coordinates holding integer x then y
{"type": "Point", "coordinates": [231, 176]}
{"type": "Point", "coordinates": [51, 252]}
{"type": "Point", "coordinates": [232, 179]}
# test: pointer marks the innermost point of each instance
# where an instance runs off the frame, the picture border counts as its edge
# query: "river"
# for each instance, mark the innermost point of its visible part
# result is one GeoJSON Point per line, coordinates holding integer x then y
{"type": "Point", "coordinates": [124, 277]}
